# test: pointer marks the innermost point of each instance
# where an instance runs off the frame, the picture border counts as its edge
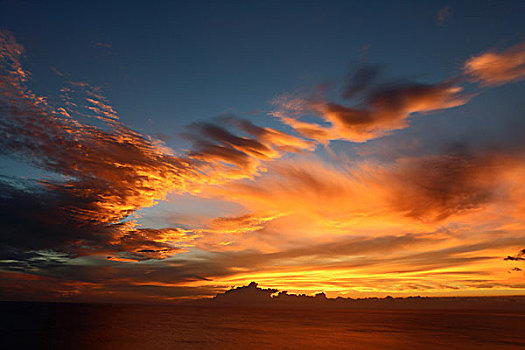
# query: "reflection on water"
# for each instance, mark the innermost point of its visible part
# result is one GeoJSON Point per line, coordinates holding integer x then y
{"type": "Point", "coordinates": [90, 326]}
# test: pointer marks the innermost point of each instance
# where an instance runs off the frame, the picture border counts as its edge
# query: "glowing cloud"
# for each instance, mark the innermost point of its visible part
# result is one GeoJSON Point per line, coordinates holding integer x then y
{"type": "Point", "coordinates": [497, 68]}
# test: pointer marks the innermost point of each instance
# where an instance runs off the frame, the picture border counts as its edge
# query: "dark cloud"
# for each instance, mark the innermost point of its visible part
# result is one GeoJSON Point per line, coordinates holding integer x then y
{"type": "Point", "coordinates": [248, 295]}
{"type": "Point", "coordinates": [34, 219]}
{"type": "Point", "coordinates": [514, 258]}
{"type": "Point", "coordinates": [112, 288]}
{"type": "Point", "coordinates": [439, 186]}
{"type": "Point", "coordinates": [360, 81]}
{"type": "Point", "coordinates": [385, 108]}
{"type": "Point", "coordinates": [214, 142]}
{"type": "Point", "coordinates": [207, 265]}
{"type": "Point", "coordinates": [517, 257]}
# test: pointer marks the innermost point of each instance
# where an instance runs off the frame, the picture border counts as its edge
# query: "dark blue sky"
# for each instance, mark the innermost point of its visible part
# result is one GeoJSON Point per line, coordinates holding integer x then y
{"type": "Point", "coordinates": [171, 63]}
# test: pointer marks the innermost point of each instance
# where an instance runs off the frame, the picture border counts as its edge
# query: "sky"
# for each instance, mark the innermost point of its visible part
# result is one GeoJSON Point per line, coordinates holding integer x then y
{"type": "Point", "coordinates": [157, 152]}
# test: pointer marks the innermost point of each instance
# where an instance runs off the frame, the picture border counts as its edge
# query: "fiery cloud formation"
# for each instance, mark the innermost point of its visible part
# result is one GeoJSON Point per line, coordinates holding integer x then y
{"type": "Point", "coordinates": [287, 214]}
{"type": "Point", "coordinates": [110, 171]}
{"type": "Point", "coordinates": [107, 173]}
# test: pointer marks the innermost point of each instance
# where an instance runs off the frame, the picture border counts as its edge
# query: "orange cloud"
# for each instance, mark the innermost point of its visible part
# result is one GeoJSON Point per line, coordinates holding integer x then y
{"type": "Point", "coordinates": [497, 68]}
{"type": "Point", "coordinates": [321, 203]}
{"type": "Point", "coordinates": [439, 186]}
{"type": "Point", "coordinates": [228, 156]}
{"type": "Point", "coordinates": [385, 109]}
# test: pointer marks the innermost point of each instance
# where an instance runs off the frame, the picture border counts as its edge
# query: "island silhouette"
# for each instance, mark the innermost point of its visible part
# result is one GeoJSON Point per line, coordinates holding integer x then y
{"type": "Point", "coordinates": [252, 295]}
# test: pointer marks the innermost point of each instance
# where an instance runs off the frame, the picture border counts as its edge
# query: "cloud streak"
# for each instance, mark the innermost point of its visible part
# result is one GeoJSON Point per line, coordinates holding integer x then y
{"type": "Point", "coordinates": [385, 108]}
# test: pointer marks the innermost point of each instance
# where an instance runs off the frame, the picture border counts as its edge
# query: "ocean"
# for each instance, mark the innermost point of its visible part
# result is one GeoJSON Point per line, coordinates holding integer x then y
{"type": "Point", "coordinates": [100, 326]}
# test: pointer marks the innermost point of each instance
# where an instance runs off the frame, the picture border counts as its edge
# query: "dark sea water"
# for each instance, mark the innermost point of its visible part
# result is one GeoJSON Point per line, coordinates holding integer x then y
{"type": "Point", "coordinates": [96, 326]}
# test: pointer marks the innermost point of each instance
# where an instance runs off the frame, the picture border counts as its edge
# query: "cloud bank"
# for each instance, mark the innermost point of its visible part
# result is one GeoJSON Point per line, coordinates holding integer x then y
{"type": "Point", "coordinates": [435, 222]}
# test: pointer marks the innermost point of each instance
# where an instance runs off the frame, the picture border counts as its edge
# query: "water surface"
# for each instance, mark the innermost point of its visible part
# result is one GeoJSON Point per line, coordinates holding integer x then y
{"type": "Point", "coordinates": [98, 326]}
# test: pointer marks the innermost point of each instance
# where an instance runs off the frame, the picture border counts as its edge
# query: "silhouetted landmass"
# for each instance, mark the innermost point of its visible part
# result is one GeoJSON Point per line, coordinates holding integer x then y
{"type": "Point", "coordinates": [253, 296]}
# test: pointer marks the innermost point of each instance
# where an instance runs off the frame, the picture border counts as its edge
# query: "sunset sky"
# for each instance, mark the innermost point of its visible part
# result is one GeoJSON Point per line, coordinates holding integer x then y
{"type": "Point", "coordinates": [155, 151]}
